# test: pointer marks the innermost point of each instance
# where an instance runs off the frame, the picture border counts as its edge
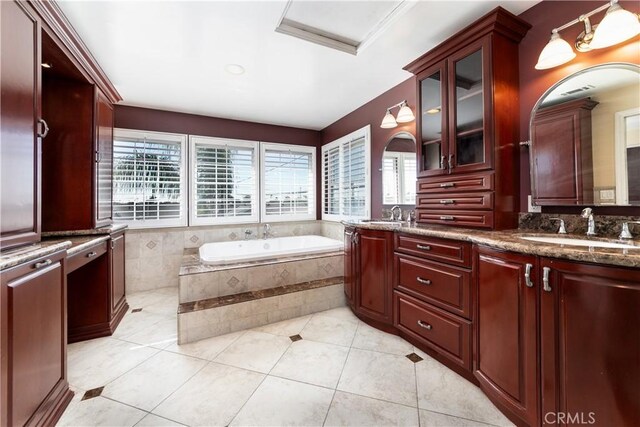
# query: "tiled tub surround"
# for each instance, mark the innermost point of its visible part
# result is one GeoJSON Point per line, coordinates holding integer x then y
{"type": "Point", "coordinates": [154, 256]}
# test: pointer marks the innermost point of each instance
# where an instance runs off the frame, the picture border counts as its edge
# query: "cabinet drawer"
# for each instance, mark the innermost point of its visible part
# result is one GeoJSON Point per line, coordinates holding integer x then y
{"type": "Point", "coordinates": [455, 201]}
{"type": "Point", "coordinates": [449, 335]}
{"type": "Point", "coordinates": [447, 184]}
{"type": "Point", "coordinates": [442, 285]}
{"type": "Point", "coordinates": [459, 218]}
{"type": "Point", "coordinates": [85, 256]}
{"type": "Point", "coordinates": [449, 251]}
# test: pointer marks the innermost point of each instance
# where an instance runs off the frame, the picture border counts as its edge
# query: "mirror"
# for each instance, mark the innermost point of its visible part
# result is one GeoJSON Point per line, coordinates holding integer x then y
{"type": "Point", "coordinates": [399, 170]}
{"type": "Point", "coordinates": [585, 139]}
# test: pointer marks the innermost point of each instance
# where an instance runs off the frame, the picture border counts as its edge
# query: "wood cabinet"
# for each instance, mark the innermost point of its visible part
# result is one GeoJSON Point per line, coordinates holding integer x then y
{"type": "Point", "coordinates": [468, 124]}
{"type": "Point", "coordinates": [33, 383]}
{"type": "Point", "coordinates": [590, 344]}
{"type": "Point", "coordinates": [20, 114]}
{"type": "Point", "coordinates": [117, 291]}
{"type": "Point", "coordinates": [103, 184]}
{"type": "Point", "coordinates": [562, 154]}
{"type": "Point", "coordinates": [506, 349]}
{"type": "Point", "coordinates": [350, 266]}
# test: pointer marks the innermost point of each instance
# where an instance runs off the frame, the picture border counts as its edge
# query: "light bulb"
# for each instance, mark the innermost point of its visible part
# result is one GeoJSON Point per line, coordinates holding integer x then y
{"type": "Point", "coordinates": [405, 114]}
{"type": "Point", "coordinates": [617, 26]}
{"type": "Point", "coordinates": [555, 53]}
{"type": "Point", "coordinates": [388, 121]}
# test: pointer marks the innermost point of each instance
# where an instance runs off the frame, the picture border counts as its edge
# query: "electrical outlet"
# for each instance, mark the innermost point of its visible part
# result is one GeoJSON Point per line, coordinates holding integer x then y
{"type": "Point", "coordinates": [531, 207]}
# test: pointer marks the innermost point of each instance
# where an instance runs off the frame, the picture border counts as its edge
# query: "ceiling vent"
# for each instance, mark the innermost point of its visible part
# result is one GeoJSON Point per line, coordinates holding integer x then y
{"type": "Point", "coordinates": [347, 26]}
{"type": "Point", "coordinates": [578, 90]}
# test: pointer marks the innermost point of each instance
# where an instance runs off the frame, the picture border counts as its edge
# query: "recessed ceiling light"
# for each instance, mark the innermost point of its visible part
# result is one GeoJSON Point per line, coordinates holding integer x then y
{"type": "Point", "coordinates": [234, 69]}
{"type": "Point", "coordinates": [46, 65]}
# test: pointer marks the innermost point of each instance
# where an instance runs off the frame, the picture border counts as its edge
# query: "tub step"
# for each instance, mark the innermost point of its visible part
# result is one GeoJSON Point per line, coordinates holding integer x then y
{"type": "Point", "coordinates": [221, 315]}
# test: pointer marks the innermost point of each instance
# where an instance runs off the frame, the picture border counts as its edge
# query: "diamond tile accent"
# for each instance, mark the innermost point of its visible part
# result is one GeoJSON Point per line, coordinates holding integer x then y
{"type": "Point", "coordinates": [233, 281]}
{"type": "Point", "coordinates": [414, 358]}
{"type": "Point", "coordinates": [295, 338]}
{"type": "Point", "coordinates": [136, 310]}
{"type": "Point", "coordinates": [233, 236]}
{"type": "Point", "coordinates": [94, 392]}
{"type": "Point", "coordinates": [284, 274]}
{"type": "Point", "coordinates": [327, 267]}
{"type": "Point", "coordinates": [194, 238]}
{"type": "Point", "coordinates": [151, 244]}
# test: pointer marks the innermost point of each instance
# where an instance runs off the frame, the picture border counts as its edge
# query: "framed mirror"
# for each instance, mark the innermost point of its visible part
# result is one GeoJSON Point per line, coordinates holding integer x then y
{"type": "Point", "coordinates": [399, 170]}
{"type": "Point", "coordinates": [585, 139]}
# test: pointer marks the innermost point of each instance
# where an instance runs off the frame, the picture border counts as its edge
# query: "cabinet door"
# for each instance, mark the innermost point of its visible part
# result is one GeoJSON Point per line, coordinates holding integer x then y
{"type": "Point", "coordinates": [506, 330]}
{"type": "Point", "coordinates": [349, 265]}
{"type": "Point", "coordinates": [469, 106]}
{"type": "Point", "coordinates": [19, 112]}
{"type": "Point", "coordinates": [375, 274]}
{"type": "Point", "coordinates": [433, 147]}
{"type": "Point", "coordinates": [590, 344]}
{"type": "Point", "coordinates": [103, 160]}
{"type": "Point", "coordinates": [117, 272]}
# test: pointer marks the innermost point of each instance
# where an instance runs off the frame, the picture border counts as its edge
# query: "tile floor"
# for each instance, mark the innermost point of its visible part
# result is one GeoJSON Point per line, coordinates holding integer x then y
{"type": "Point", "coordinates": [341, 373]}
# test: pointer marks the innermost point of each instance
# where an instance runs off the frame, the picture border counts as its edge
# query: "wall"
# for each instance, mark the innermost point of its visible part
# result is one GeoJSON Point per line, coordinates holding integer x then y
{"type": "Point", "coordinates": [533, 83]}
{"type": "Point", "coordinates": [371, 113]}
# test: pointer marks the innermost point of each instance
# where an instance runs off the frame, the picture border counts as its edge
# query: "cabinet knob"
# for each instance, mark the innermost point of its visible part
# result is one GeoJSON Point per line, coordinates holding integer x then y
{"type": "Point", "coordinates": [424, 325]}
{"type": "Point", "coordinates": [450, 161]}
{"type": "Point", "coordinates": [527, 275]}
{"type": "Point", "coordinates": [42, 264]}
{"type": "Point", "coordinates": [423, 247]}
{"type": "Point", "coordinates": [423, 281]}
{"type": "Point", "coordinates": [545, 279]}
{"type": "Point", "coordinates": [91, 254]}
{"type": "Point", "coordinates": [45, 129]}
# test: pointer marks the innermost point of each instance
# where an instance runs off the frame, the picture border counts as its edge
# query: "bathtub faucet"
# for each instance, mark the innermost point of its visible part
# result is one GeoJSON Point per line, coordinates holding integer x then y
{"type": "Point", "coordinates": [266, 231]}
{"type": "Point", "coordinates": [247, 234]}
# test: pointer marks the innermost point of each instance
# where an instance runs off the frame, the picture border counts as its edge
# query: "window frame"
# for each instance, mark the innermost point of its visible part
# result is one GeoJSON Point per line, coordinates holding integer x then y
{"type": "Point", "coordinates": [167, 137]}
{"type": "Point", "coordinates": [401, 159]}
{"type": "Point", "coordinates": [364, 132]}
{"type": "Point", "coordinates": [264, 146]}
{"type": "Point", "coordinates": [194, 220]}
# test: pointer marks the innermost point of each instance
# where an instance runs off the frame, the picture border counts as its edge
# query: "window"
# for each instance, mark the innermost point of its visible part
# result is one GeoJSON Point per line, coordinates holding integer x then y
{"type": "Point", "coordinates": [148, 179]}
{"type": "Point", "coordinates": [288, 182]}
{"type": "Point", "coordinates": [399, 178]}
{"type": "Point", "coordinates": [346, 186]}
{"type": "Point", "coordinates": [224, 186]}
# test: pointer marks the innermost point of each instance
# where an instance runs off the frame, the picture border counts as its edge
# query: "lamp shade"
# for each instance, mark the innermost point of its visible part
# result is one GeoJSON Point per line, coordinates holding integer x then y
{"type": "Point", "coordinates": [555, 53]}
{"type": "Point", "coordinates": [617, 26]}
{"type": "Point", "coordinates": [388, 121]}
{"type": "Point", "coordinates": [405, 114]}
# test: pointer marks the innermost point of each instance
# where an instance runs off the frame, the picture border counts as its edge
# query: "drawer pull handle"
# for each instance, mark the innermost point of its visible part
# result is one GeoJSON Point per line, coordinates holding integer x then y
{"type": "Point", "coordinates": [447, 202]}
{"type": "Point", "coordinates": [527, 275]}
{"type": "Point", "coordinates": [424, 325]}
{"type": "Point", "coordinates": [42, 264]}
{"type": "Point", "coordinates": [423, 281]}
{"type": "Point", "coordinates": [545, 279]}
{"type": "Point", "coordinates": [447, 218]}
{"type": "Point", "coordinates": [423, 247]}
{"type": "Point", "coordinates": [91, 254]}
{"type": "Point", "coordinates": [447, 184]}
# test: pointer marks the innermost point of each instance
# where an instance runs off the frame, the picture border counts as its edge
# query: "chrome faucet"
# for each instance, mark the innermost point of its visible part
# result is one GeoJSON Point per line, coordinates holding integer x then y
{"type": "Point", "coordinates": [247, 234]}
{"type": "Point", "coordinates": [266, 231]}
{"type": "Point", "coordinates": [562, 229]}
{"type": "Point", "coordinates": [395, 217]}
{"type": "Point", "coordinates": [625, 233]}
{"type": "Point", "coordinates": [591, 224]}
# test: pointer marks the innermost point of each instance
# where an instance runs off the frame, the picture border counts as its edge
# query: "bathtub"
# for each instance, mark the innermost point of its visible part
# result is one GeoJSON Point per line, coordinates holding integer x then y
{"type": "Point", "coordinates": [254, 250]}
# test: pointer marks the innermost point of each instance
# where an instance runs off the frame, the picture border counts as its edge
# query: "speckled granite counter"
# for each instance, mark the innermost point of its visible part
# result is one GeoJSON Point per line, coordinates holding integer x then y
{"type": "Point", "coordinates": [113, 228]}
{"type": "Point", "coordinates": [511, 240]}
{"type": "Point", "coordinates": [81, 243]}
{"type": "Point", "coordinates": [17, 256]}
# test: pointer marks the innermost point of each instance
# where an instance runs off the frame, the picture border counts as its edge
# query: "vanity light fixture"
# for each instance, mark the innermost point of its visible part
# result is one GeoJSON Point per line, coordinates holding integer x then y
{"type": "Point", "coordinates": [405, 115]}
{"type": "Point", "coordinates": [235, 69]}
{"type": "Point", "coordinates": [618, 25]}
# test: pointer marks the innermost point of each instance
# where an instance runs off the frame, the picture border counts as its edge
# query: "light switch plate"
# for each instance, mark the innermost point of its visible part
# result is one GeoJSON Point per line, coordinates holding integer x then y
{"type": "Point", "coordinates": [532, 208]}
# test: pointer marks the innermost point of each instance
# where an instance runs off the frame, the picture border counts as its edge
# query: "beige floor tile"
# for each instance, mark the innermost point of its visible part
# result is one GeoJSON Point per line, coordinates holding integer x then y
{"type": "Point", "coordinates": [212, 397]}
{"type": "Point", "coordinates": [330, 330]}
{"type": "Point", "coordinates": [256, 351]}
{"type": "Point", "coordinates": [368, 338]}
{"type": "Point", "coordinates": [281, 402]}
{"type": "Point", "coordinates": [132, 323]}
{"type": "Point", "coordinates": [160, 335]}
{"type": "Point", "coordinates": [379, 375]}
{"type": "Point", "coordinates": [286, 328]}
{"type": "Point", "coordinates": [155, 421]}
{"type": "Point", "coordinates": [207, 348]}
{"type": "Point", "coordinates": [312, 362]}
{"type": "Point", "coordinates": [149, 383]}
{"type": "Point", "coordinates": [100, 412]}
{"type": "Point", "coordinates": [352, 410]}
{"type": "Point", "coordinates": [434, 419]}
{"type": "Point", "coordinates": [343, 313]}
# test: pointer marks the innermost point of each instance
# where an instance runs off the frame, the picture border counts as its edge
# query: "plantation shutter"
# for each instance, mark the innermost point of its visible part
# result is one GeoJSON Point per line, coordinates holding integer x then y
{"type": "Point", "coordinates": [288, 185]}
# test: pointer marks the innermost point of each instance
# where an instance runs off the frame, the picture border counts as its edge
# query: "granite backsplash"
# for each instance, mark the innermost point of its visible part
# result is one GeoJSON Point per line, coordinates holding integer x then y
{"type": "Point", "coordinates": [606, 225]}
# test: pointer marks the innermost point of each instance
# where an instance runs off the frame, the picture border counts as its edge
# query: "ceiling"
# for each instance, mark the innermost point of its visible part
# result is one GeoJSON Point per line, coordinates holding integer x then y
{"type": "Point", "coordinates": [171, 55]}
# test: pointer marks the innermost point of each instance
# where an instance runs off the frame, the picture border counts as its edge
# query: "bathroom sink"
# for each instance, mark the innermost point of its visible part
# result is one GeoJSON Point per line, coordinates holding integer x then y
{"type": "Point", "coordinates": [579, 242]}
{"type": "Point", "coordinates": [387, 222]}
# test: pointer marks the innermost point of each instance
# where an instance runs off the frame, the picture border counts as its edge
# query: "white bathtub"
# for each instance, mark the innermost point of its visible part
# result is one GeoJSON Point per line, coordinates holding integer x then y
{"type": "Point", "coordinates": [254, 250]}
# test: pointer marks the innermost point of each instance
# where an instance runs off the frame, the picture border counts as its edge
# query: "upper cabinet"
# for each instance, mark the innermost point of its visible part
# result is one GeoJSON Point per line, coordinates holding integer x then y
{"type": "Point", "coordinates": [103, 159]}
{"type": "Point", "coordinates": [468, 122]}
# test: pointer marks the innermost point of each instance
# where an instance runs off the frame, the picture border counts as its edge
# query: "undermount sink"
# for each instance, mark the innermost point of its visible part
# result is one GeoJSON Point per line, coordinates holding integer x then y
{"type": "Point", "coordinates": [387, 222]}
{"type": "Point", "coordinates": [579, 242]}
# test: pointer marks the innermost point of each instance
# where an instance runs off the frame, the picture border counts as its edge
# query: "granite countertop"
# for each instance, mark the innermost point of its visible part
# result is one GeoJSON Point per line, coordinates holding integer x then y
{"type": "Point", "coordinates": [109, 229]}
{"type": "Point", "coordinates": [511, 240]}
{"type": "Point", "coordinates": [17, 256]}
{"type": "Point", "coordinates": [81, 243]}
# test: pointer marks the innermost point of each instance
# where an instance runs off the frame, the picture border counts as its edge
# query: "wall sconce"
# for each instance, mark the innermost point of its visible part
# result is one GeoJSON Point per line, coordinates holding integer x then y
{"type": "Point", "coordinates": [405, 115]}
{"type": "Point", "coordinates": [617, 26]}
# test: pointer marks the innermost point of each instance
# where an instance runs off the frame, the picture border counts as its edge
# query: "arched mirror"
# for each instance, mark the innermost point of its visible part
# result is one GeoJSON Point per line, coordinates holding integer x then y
{"type": "Point", "coordinates": [399, 170]}
{"type": "Point", "coordinates": [585, 139]}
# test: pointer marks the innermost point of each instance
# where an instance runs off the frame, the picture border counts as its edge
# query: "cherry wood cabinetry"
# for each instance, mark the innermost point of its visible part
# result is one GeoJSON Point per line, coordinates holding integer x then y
{"type": "Point", "coordinates": [562, 154]}
{"type": "Point", "coordinates": [590, 343]}
{"type": "Point", "coordinates": [20, 115]}
{"type": "Point", "coordinates": [350, 266]}
{"type": "Point", "coordinates": [33, 380]}
{"type": "Point", "coordinates": [468, 125]}
{"type": "Point", "coordinates": [506, 348]}
{"type": "Point", "coordinates": [118, 304]}
{"type": "Point", "coordinates": [103, 184]}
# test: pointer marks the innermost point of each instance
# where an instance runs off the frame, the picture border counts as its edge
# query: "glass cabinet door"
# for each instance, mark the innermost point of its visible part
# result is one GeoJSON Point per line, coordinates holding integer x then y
{"type": "Point", "coordinates": [434, 147]}
{"type": "Point", "coordinates": [467, 99]}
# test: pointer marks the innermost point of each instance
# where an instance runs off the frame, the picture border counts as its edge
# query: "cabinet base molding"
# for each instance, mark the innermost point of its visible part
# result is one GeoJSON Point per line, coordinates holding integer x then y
{"type": "Point", "coordinates": [53, 407]}
{"type": "Point", "coordinates": [99, 330]}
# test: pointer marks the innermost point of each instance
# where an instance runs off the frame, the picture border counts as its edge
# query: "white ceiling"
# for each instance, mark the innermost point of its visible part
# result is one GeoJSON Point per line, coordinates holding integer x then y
{"type": "Point", "coordinates": [171, 55]}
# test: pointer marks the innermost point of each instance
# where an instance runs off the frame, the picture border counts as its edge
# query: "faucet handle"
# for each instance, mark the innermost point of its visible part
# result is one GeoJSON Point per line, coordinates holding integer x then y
{"type": "Point", "coordinates": [562, 229]}
{"type": "Point", "coordinates": [624, 232]}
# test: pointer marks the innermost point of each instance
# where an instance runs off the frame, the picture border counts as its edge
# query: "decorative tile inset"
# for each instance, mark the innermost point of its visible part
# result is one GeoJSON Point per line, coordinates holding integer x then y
{"type": "Point", "coordinates": [414, 358]}
{"type": "Point", "coordinates": [327, 267]}
{"type": "Point", "coordinates": [284, 274]}
{"type": "Point", "coordinates": [295, 338]}
{"type": "Point", "coordinates": [233, 236]}
{"type": "Point", "coordinates": [151, 244]}
{"type": "Point", "coordinates": [194, 238]}
{"type": "Point", "coordinates": [94, 392]}
{"type": "Point", "coordinates": [136, 310]}
{"type": "Point", "coordinates": [233, 281]}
